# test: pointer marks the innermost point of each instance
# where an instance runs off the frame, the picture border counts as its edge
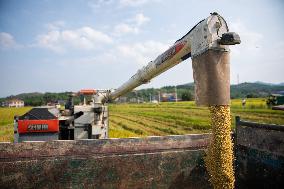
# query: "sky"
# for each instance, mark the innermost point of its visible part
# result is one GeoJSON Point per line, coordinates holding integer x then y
{"type": "Point", "coordinates": [62, 45]}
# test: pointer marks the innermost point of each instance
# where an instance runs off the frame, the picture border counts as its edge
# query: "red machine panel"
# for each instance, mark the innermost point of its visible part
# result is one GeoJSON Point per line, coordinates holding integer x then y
{"type": "Point", "coordinates": [38, 126]}
{"type": "Point", "coordinates": [88, 91]}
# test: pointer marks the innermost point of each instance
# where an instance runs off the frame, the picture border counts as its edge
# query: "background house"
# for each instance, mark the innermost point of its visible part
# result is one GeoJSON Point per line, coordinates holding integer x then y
{"type": "Point", "coordinates": [14, 103]}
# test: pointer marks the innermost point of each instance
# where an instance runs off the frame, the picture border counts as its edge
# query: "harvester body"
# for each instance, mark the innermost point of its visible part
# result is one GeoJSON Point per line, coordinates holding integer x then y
{"type": "Point", "coordinates": [85, 121]}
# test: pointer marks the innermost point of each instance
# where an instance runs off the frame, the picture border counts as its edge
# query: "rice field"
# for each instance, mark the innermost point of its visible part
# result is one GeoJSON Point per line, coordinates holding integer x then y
{"type": "Point", "coordinates": [6, 122]}
{"type": "Point", "coordinates": [170, 118]}
{"type": "Point", "coordinates": [167, 118]}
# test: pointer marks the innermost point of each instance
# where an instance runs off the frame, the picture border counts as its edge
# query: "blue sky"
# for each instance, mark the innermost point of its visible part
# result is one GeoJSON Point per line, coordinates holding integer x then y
{"type": "Point", "coordinates": [61, 45]}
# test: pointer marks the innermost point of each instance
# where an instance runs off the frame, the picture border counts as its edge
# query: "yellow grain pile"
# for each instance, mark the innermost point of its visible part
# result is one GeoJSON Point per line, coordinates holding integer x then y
{"type": "Point", "coordinates": [219, 160]}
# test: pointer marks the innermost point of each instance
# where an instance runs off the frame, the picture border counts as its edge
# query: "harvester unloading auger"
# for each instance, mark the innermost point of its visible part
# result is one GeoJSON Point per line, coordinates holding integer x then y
{"type": "Point", "coordinates": [207, 44]}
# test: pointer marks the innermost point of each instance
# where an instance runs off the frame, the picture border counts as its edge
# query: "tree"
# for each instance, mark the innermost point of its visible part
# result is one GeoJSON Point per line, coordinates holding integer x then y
{"type": "Point", "coordinates": [186, 96]}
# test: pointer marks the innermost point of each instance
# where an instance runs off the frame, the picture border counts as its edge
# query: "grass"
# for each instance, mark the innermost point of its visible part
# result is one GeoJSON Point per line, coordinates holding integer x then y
{"type": "Point", "coordinates": [168, 118]}
{"type": "Point", "coordinates": [6, 122]}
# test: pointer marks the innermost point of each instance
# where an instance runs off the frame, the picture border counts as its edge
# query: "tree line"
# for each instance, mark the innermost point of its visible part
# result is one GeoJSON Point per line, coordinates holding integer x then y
{"type": "Point", "coordinates": [184, 92]}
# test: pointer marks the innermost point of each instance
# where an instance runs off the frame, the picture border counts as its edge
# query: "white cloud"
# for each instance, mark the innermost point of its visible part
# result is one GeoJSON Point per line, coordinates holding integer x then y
{"type": "Point", "coordinates": [7, 41]}
{"type": "Point", "coordinates": [99, 59]}
{"type": "Point", "coordinates": [250, 40]}
{"type": "Point", "coordinates": [55, 25]}
{"type": "Point", "coordinates": [132, 3]}
{"type": "Point", "coordinates": [254, 57]}
{"type": "Point", "coordinates": [141, 19]}
{"type": "Point", "coordinates": [131, 25]}
{"type": "Point", "coordinates": [136, 54]}
{"type": "Point", "coordinates": [277, 51]}
{"type": "Point", "coordinates": [95, 5]}
{"type": "Point", "coordinates": [85, 38]}
{"type": "Point", "coordinates": [123, 28]}
{"type": "Point", "coordinates": [98, 4]}
{"type": "Point", "coordinates": [141, 53]}
{"type": "Point", "coordinates": [51, 41]}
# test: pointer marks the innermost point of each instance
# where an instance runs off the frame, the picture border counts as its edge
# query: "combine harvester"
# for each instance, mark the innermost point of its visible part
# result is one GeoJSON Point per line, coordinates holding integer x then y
{"type": "Point", "coordinates": [152, 162]}
{"type": "Point", "coordinates": [208, 40]}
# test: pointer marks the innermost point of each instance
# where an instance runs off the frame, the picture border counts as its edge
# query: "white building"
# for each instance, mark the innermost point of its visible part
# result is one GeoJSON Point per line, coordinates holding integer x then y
{"type": "Point", "coordinates": [15, 103]}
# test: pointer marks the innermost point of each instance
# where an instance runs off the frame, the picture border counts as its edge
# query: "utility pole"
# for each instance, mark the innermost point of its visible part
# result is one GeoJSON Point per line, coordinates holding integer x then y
{"type": "Point", "coordinates": [150, 97]}
{"type": "Point", "coordinates": [137, 100]}
{"type": "Point", "coordinates": [176, 92]}
{"type": "Point", "coordinates": [159, 96]}
{"type": "Point", "coordinates": [238, 79]}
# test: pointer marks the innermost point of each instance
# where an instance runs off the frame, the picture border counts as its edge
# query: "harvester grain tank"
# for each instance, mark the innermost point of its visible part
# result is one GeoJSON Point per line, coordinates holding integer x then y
{"type": "Point", "coordinates": [38, 124]}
